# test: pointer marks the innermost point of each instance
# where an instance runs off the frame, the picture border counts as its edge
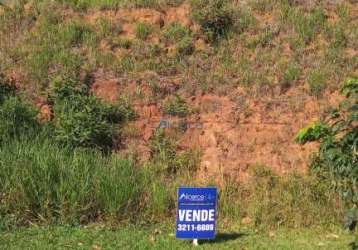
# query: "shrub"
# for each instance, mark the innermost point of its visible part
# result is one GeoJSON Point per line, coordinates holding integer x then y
{"type": "Point", "coordinates": [176, 106]}
{"type": "Point", "coordinates": [215, 17]}
{"type": "Point", "coordinates": [312, 132]}
{"type": "Point", "coordinates": [337, 154]}
{"type": "Point", "coordinates": [83, 120]}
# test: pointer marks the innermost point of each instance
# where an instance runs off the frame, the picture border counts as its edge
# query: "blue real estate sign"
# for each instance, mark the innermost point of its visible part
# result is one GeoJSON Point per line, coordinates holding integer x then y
{"type": "Point", "coordinates": [196, 213]}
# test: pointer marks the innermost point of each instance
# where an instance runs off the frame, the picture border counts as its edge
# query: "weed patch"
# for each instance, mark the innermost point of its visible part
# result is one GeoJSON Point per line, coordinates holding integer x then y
{"type": "Point", "coordinates": [82, 120]}
{"type": "Point", "coordinates": [316, 82]}
{"type": "Point", "coordinates": [176, 106]}
{"type": "Point", "coordinates": [215, 17]}
{"type": "Point", "coordinates": [143, 30]}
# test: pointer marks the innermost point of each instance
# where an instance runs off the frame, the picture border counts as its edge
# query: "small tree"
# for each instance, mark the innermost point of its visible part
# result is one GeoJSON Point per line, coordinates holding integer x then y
{"type": "Point", "coordinates": [338, 136]}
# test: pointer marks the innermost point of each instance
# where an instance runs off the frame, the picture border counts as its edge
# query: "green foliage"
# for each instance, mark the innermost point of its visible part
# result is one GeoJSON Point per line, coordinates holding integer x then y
{"type": "Point", "coordinates": [6, 88]}
{"type": "Point", "coordinates": [159, 199]}
{"type": "Point", "coordinates": [108, 28]}
{"type": "Point", "coordinates": [263, 39]}
{"type": "Point", "coordinates": [163, 151]}
{"type": "Point", "coordinates": [337, 154]}
{"type": "Point", "coordinates": [16, 118]}
{"type": "Point", "coordinates": [298, 201]}
{"type": "Point", "coordinates": [165, 158]}
{"type": "Point", "coordinates": [83, 120]}
{"type": "Point", "coordinates": [180, 37]}
{"type": "Point", "coordinates": [143, 30]}
{"type": "Point", "coordinates": [215, 17]}
{"type": "Point", "coordinates": [312, 132]}
{"type": "Point", "coordinates": [350, 88]}
{"type": "Point", "coordinates": [45, 182]}
{"type": "Point", "coordinates": [316, 80]}
{"type": "Point", "coordinates": [307, 26]}
{"type": "Point", "coordinates": [175, 32]}
{"type": "Point", "coordinates": [290, 75]}
{"type": "Point", "coordinates": [54, 48]}
{"type": "Point", "coordinates": [246, 21]}
{"type": "Point", "coordinates": [272, 201]}
{"type": "Point", "coordinates": [159, 236]}
{"type": "Point", "coordinates": [176, 106]}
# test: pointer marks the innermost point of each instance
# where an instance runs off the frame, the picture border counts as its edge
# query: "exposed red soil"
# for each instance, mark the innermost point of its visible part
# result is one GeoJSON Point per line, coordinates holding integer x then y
{"type": "Point", "coordinates": [107, 89]}
{"type": "Point", "coordinates": [129, 18]}
{"type": "Point", "coordinates": [237, 132]}
{"type": "Point", "coordinates": [231, 141]}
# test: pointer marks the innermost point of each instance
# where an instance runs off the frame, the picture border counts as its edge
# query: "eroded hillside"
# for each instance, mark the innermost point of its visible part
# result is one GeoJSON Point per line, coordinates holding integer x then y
{"type": "Point", "coordinates": [231, 80]}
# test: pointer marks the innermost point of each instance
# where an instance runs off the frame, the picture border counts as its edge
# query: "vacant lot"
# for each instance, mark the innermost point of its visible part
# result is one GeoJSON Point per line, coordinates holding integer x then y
{"type": "Point", "coordinates": [256, 97]}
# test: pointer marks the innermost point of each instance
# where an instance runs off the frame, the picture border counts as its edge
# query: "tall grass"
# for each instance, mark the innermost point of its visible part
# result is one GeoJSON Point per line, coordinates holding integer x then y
{"type": "Point", "coordinates": [272, 201]}
{"type": "Point", "coordinates": [40, 181]}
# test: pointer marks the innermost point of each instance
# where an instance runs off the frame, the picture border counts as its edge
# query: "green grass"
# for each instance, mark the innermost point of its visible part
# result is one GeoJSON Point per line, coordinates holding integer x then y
{"type": "Point", "coordinates": [55, 38]}
{"type": "Point", "coordinates": [41, 181]}
{"type": "Point", "coordinates": [162, 237]}
{"type": "Point", "coordinates": [176, 106]}
{"type": "Point", "coordinates": [143, 30]}
{"type": "Point", "coordinates": [317, 81]}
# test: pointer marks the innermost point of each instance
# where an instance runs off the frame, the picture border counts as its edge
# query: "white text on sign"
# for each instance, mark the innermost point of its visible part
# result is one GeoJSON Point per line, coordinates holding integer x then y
{"type": "Point", "coordinates": [196, 215]}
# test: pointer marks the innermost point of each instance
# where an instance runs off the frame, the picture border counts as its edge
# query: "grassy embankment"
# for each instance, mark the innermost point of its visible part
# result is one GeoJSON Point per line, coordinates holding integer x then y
{"type": "Point", "coordinates": [64, 171]}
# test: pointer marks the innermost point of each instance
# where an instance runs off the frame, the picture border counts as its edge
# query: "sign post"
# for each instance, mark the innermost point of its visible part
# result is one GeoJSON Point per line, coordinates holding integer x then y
{"type": "Point", "coordinates": [196, 213]}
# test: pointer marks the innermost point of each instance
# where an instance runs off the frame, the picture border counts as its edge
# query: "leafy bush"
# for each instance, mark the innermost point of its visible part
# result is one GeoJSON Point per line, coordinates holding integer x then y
{"type": "Point", "coordinates": [338, 154]}
{"type": "Point", "coordinates": [215, 17]}
{"type": "Point", "coordinates": [83, 120]}
{"type": "Point", "coordinates": [312, 132]}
